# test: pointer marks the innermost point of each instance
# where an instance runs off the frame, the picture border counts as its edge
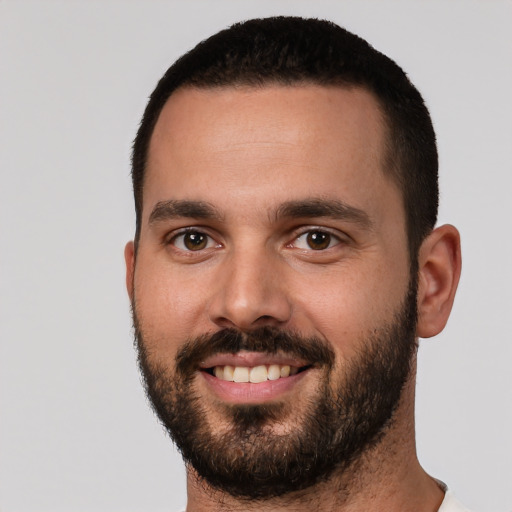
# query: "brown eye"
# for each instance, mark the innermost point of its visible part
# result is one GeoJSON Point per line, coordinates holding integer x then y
{"type": "Point", "coordinates": [195, 241]}
{"type": "Point", "coordinates": [318, 240]}
{"type": "Point", "coordinates": [192, 241]}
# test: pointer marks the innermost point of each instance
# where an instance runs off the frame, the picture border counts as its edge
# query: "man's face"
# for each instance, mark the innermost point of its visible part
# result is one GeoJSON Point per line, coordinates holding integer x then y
{"type": "Point", "coordinates": [272, 242]}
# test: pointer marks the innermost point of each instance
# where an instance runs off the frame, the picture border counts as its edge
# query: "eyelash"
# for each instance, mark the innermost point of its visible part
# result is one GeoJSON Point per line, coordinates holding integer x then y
{"type": "Point", "coordinates": [333, 239]}
{"type": "Point", "coordinates": [191, 231]}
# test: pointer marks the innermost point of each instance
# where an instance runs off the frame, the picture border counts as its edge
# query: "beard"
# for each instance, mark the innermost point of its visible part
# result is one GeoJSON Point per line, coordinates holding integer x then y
{"type": "Point", "coordinates": [333, 428]}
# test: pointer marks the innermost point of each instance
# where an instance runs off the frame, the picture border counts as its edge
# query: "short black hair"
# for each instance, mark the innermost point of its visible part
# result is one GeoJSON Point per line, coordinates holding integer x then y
{"type": "Point", "coordinates": [296, 51]}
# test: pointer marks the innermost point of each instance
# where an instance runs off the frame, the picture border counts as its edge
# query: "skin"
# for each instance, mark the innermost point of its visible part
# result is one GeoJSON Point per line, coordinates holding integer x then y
{"type": "Point", "coordinates": [247, 152]}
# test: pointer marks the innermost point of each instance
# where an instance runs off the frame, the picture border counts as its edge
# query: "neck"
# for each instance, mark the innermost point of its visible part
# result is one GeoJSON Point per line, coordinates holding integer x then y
{"type": "Point", "coordinates": [386, 477]}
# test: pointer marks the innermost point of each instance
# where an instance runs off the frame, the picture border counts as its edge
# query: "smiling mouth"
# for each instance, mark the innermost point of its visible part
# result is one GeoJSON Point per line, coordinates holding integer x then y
{"type": "Point", "coordinates": [254, 374]}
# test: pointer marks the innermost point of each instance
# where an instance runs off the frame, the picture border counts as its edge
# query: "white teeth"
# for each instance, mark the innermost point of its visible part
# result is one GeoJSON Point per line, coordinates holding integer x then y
{"type": "Point", "coordinates": [241, 374]}
{"type": "Point", "coordinates": [228, 373]}
{"type": "Point", "coordinates": [258, 374]}
{"type": "Point", "coordinates": [255, 374]}
{"type": "Point", "coordinates": [274, 372]}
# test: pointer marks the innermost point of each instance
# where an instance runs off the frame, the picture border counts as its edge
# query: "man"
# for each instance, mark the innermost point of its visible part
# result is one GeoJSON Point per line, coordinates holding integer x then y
{"type": "Point", "coordinates": [285, 263]}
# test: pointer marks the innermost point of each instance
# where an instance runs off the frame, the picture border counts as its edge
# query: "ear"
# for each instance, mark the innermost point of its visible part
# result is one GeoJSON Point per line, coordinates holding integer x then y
{"type": "Point", "coordinates": [439, 264]}
{"type": "Point", "coordinates": [129, 258]}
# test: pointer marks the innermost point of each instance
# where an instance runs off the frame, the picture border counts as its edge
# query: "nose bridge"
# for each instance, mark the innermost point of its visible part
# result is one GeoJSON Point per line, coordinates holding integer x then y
{"type": "Point", "coordinates": [249, 292]}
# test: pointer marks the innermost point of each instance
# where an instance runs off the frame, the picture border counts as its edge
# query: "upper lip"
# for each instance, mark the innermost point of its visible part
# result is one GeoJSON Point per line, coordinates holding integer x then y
{"type": "Point", "coordinates": [251, 359]}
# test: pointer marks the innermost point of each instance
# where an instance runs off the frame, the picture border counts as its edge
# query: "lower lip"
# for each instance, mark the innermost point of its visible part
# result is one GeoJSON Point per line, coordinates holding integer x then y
{"type": "Point", "coordinates": [249, 393]}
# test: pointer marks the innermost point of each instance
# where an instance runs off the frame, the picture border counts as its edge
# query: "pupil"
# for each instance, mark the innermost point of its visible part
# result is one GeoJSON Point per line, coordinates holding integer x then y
{"type": "Point", "coordinates": [318, 240]}
{"type": "Point", "coordinates": [195, 241]}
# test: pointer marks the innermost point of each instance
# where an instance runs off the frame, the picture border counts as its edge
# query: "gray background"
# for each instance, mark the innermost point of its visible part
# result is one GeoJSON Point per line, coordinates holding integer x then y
{"type": "Point", "coordinates": [76, 433]}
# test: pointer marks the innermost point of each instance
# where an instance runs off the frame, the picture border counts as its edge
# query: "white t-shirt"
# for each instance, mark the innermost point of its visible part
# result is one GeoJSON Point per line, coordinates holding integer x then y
{"type": "Point", "coordinates": [451, 504]}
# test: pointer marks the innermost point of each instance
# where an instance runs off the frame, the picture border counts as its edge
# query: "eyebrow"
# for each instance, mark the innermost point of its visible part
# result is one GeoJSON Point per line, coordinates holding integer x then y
{"type": "Point", "coordinates": [307, 208]}
{"type": "Point", "coordinates": [173, 209]}
{"type": "Point", "coordinates": [333, 209]}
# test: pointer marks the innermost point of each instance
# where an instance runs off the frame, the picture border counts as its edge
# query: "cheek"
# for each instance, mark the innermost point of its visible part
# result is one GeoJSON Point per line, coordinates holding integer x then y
{"type": "Point", "coordinates": [345, 306]}
{"type": "Point", "coordinates": [169, 307]}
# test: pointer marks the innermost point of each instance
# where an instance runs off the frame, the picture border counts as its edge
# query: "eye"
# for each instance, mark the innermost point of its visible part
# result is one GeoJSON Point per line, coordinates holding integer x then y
{"type": "Point", "coordinates": [316, 239]}
{"type": "Point", "coordinates": [192, 240]}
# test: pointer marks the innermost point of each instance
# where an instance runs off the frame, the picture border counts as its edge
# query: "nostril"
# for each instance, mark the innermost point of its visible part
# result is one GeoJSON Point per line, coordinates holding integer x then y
{"type": "Point", "coordinates": [267, 321]}
{"type": "Point", "coordinates": [265, 318]}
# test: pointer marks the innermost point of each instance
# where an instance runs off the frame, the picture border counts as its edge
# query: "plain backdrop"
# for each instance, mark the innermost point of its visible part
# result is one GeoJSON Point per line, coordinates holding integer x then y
{"type": "Point", "coordinates": [76, 433]}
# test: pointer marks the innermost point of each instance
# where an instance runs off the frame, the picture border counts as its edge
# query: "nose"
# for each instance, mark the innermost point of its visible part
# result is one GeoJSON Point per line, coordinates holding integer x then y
{"type": "Point", "coordinates": [250, 292]}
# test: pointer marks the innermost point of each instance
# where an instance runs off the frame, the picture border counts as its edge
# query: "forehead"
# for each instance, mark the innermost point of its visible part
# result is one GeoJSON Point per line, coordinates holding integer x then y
{"type": "Point", "coordinates": [305, 139]}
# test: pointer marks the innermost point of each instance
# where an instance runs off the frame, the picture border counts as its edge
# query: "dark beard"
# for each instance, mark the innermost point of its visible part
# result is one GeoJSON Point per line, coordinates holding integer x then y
{"type": "Point", "coordinates": [249, 460]}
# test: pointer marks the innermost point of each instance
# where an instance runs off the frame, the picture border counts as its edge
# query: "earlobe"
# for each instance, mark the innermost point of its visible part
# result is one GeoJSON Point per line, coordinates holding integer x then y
{"type": "Point", "coordinates": [129, 257]}
{"type": "Point", "coordinates": [439, 264]}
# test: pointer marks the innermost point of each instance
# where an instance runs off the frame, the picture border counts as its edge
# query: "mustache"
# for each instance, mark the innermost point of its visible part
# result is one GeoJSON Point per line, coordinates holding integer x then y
{"type": "Point", "coordinates": [270, 340]}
